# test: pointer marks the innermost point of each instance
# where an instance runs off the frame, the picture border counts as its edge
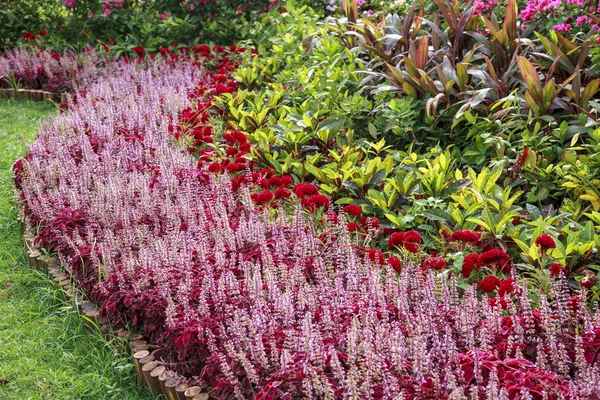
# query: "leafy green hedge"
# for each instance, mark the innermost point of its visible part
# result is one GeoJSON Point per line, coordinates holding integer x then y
{"type": "Point", "coordinates": [149, 24]}
{"type": "Point", "coordinates": [321, 104]}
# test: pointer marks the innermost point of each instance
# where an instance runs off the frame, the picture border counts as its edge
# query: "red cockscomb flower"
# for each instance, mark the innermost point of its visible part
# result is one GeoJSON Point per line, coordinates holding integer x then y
{"type": "Point", "coordinates": [235, 167]}
{"type": "Point", "coordinates": [395, 263]}
{"type": "Point", "coordinates": [498, 301]}
{"type": "Point", "coordinates": [489, 284]}
{"type": "Point", "coordinates": [437, 263]}
{"type": "Point", "coordinates": [352, 227]}
{"type": "Point", "coordinates": [396, 240]}
{"type": "Point", "coordinates": [465, 236]}
{"type": "Point", "coordinates": [42, 32]}
{"type": "Point", "coordinates": [214, 167]}
{"type": "Point", "coordinates": [353, 209]}
{"type": "Point", "coordinates": [139, 51]}
{"type": "Point", "coordinates": [469, 264]}
{"type": "Point", "coordinates": [506, 286]}
{"type": "Point", "coordinates": [409, 240]}
{"type": "Point", "coordinates": [262, 198]}
{"type": "Point", "coordinates": [304, 190]}
{"type": "Point", "coordinates": [29, 37]}
{"type": "Point", "coordinates": [274, 181]}
{"type": "Point", "coordinates": [282, 193]}
{"type": "Point", "coordinates": [239, 137]}
{"type": "Point", "coordinates": [286, 181]}
{"type": "Point", "coordinates": [545, 242]}
{"type": "Point", "coordinates": [316, 201]}
{"type": "Point", "coordinates": [495, 258]}
{"type": "Point", "coordinates": [412, 239]}
{"type": "Point", "coordinates": [555, 269]}
{"type": "Point", "coordinates": [376, 256]}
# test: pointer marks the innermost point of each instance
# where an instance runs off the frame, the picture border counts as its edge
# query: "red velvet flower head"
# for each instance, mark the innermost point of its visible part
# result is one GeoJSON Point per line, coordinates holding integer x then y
{"type": "Point", "coordinates": [545, 242]}
{"type": "Point", "coordinates": [376, 256]}
{"type": "Point", "coordinates": [316, 201]}
{"type": "Point", "coordinates": [353, 209]}
{"type": "Point", "coordinates": [352, 227]}
{"type": "Point", "coordinates": [282, 193]}
{"type": "Point", "coordinates": [262, 198]}
{"type": "Point", "coordinates": [286, 181]}
{"type": "Point", "coordinates": [409, 240]}
{"type": "Point", "coordinates": [555, 269]}
{"type": "Point", "coordinates": [465, 236]}
{"type": "Point", "coordinates": [303, 190]}
{"type": "Point", "coordinates": [139, 51]}
{"type": "Point", "coordinates": [395, 263]}
{"type": "Point", "coordinates": [506, 286]}
{"type": "Point", "coordinates": [489, 284]}
{"type": "Point", "coordinates": [437, 263]}
{"type": "Point", "coordinates": [469, 264]}
{"type": "Point", "coordinates": [495, 258]}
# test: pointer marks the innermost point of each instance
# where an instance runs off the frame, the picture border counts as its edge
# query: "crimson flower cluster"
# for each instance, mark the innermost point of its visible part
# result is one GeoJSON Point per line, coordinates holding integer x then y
{"type": "Point", "coordinates": [410, 240]}
{"type": "Point", "coordinates": [465, 236]}
{"type": "Point", "coordinates": [545, 242]}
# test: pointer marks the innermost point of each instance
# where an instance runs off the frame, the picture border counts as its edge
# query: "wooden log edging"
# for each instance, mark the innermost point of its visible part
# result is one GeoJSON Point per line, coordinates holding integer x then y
{"type": "Point", "coordinates": [152, 371]}
{"type": "Point", "coordinates": [34, 95]}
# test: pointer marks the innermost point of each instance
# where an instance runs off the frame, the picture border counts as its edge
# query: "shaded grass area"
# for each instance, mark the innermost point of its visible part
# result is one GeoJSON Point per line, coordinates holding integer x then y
{"type": "Point", "coordinates": [45, 350]}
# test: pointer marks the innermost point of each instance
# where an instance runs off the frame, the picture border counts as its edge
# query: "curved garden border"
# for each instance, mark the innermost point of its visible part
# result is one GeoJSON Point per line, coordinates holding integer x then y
{"type": "Point", "coordinates": [35, 95]}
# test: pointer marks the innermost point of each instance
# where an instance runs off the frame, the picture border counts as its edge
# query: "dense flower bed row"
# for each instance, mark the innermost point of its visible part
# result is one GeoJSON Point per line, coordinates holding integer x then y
{"type": "Point", "coordinates": [47, 70]}
{"type": "Point", "coordinates": [28, 68]}
{"type": "Point", "coordinates": [253, 283]}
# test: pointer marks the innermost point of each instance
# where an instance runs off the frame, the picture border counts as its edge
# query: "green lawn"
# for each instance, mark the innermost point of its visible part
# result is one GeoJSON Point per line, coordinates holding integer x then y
{"type": "Point", "coordinates": [45, 351]}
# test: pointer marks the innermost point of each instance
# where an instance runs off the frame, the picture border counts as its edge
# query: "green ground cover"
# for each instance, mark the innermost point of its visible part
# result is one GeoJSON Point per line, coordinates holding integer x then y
{"type": "Point", "coordinates": [45, 350]}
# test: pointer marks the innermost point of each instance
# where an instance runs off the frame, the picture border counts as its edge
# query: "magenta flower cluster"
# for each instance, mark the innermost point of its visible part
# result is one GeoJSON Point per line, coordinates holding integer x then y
{"type": "Point", "coordinates": [569, 13]}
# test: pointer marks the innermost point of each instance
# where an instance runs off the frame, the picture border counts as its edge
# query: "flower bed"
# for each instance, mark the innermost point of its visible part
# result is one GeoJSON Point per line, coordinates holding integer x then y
{"type": "Point", "coordinates": [254, 297]}
{"type": "Point", "coordinates": [50, 71]}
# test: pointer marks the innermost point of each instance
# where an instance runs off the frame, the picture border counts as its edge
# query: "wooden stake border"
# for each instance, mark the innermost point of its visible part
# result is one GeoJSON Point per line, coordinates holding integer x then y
{"type": "Point", "coordinates": [151, 371]}
{"type": "Point", "coordinates": [34, 95]}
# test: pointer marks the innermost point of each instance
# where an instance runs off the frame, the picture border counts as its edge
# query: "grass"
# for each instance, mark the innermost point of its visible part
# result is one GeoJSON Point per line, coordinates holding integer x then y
{"type": "Point", "coordinates": [45, 350]}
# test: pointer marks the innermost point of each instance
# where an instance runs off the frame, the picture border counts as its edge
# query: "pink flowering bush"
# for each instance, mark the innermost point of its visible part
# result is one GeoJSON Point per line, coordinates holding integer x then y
{"type": "Point", "coordinates": [567, 16]}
